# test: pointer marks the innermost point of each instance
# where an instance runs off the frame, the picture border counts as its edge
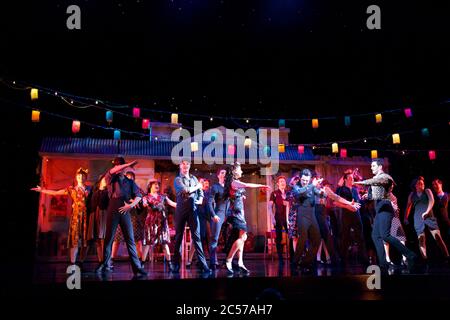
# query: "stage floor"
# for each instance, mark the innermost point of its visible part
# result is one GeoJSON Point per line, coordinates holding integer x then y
{"type": "Point", "coordinates": [326, 283]}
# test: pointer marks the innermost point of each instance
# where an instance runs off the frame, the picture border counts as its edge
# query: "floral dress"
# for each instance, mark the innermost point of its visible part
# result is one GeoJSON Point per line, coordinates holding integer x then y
{"type": "Point", "coordinates": [156, 223]}
{"type": "Point", "coordinates": [292, 216]}
{"type": "Point", "coordinates": [78, 231]}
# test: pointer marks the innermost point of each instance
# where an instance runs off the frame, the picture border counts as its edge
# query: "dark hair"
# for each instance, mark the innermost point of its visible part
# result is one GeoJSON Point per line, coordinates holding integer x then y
{"type": "Point", "coordinates": [306, 172]}
{"type": "Point", "coordinates": [97, 183]}
{"type": "Point", "coordinates": [414, 182]}
{"type": "Point", "coordinates": [229, 177]}
{"type": "Point", "coordinates": [346, 175]}
{"type": "Point", "coordinates": [281, 177]}
{"type": "Point", "coordinates": [118, 161]}
{"type": "Point", "coordinates": [131, 173]}
{"type": "Point", "coordinates": [150, 184]}
{"type": "Point", "coordinates": [379, 161]}
{"type": "Point", "coordinates": [220, 169]}
{"type": "Point", "coordinates": [438, 181]}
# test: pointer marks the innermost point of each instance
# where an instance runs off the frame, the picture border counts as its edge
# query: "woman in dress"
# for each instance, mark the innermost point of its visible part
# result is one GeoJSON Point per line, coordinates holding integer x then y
{"type": "Point", "coordinates": [156, 224]}
{"type": "Point", "coordinates": [396, 230]}
{"type": "Point", "coordinates": [98, 216]}
{"type": "Point", "coordinates": [235, 191]}
{"type": "Point", "coordinates": [421, 202]}
{"type": "Point", "coordinates": [79, 193]}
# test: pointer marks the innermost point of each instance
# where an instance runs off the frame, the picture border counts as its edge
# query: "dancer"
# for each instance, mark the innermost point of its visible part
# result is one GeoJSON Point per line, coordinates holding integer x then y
{"type": "Point", "coordinates": [306, 193]}
{"type": "Point", "coordinates": [156, 223]}
{"type": "Point", "coordinates": [98, 216]}
{"type": "Point", "coordinates": [322, 210]}
{"type": "Point", "coordinates": [218, 207]}
{"type": "Point", "coordinates": [381, 186]}
{"type": "Point", "coordinates": [396, 231]}
{"type": "Point", "coordinates": [293, 205]}
{"type": "Point", "coordinates": [351, 220]}
{"type": "Point", "coordinates": [121, 191]}
{"type": "Point", "coordinates": [79, 193]}
{"type": "Point", "coordinates": [189, 196]}
{"type": "Point", "coordinates": [278, 205]}
{"type": "Point", "coordinates": [421, 202]}
{"type": "Point", "coordinates": [137, 215]}
{"type": "Point", "coordinates": [204, 221]}
{"type": "Point", "coordinates": [235, 191]}
{"type": "Point", "coordinates": [440, 209]}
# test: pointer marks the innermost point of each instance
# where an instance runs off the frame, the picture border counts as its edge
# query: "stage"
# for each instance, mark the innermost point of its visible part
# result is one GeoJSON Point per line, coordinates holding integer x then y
{"type": "Point", "coordinates": [267, 280]}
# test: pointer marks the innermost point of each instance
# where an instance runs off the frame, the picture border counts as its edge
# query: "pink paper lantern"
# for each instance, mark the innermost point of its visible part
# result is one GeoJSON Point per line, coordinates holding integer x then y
{"type": "Point", "coordinates": [301, 149]}
{"type": "Point", "coordinates": [145, 124]}
{"type": "Point", "coordinates": [76, 126]}
{"type": "Point", "coordinates": [432, 154]}
{"type": "Point", "coordinates": [136, 112]}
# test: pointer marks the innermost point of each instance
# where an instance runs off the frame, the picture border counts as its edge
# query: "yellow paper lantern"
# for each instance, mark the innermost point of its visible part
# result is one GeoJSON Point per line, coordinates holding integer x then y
{"type": "Point", "coordinates": [248, 142]}
{"type": "Point", "coordinates": [315, 123]}
{"type": "Point", "coordinates": [396, 138]}
{"type": "Point", "coordinates": [34, 94]}
{"type": "Point", "coordinates": [335, 148]}
{"type": "Point", "coordinates": [35, 115]}
{"type": "Point", "coordinates": [378, 118]}
{"type": "Point", "coordinates": [194, 146]}
{"type": "Point", "coordinates": [174, 118]}
{"type": "Point", "coordinates": [374, 154]}
{"type": "Point", "coordinates": [281, 148]}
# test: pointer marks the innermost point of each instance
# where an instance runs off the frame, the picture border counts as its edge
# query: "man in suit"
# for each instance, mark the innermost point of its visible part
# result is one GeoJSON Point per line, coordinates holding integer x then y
{"type": "Point", "coordinates": [189, 195]}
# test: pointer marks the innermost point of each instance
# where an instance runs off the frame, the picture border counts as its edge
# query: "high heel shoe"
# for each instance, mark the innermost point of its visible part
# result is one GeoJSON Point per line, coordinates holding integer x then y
{"type": "Point", "coordinates": [229, 268]}
{"type": "Point", "coordinates": [244, 270]}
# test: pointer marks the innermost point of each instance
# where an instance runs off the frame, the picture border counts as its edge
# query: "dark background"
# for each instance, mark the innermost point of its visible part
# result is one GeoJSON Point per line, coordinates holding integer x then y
{"type": "Point", "coordinates": [270, 59]}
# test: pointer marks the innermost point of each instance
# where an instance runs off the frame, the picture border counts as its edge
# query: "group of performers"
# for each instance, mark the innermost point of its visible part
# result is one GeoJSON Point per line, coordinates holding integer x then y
{"type": "Point", "coordinates": [316, 219]}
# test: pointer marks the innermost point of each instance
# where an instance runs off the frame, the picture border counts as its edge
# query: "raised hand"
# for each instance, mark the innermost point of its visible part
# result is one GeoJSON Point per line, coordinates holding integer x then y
{"type": "Point", "coordinates": [37, 189]}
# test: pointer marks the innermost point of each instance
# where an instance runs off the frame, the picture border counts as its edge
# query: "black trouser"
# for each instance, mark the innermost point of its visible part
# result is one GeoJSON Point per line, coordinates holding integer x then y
{"type": "Point", "coordinates": [215, 234]}
{"type": "Point", "coordinates": [186, 214]}
{"type": "Point", "coordinates": [382, 232]}
{"type": "Point", "coordinates": [322, 214]}
{"type": "Point", "coordinates": [352, 220]}
{"type": "Point", "coordinates": [114, 219]}
{"type": "Point", "coordinates": [279, 225]}
{"type": "Point", "coordinates": [307, 229]}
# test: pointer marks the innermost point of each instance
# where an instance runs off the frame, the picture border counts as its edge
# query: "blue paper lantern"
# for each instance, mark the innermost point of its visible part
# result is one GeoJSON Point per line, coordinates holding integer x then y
{"type": "Point", "coordinates": [425, 132]}
{"type": "Point", "coordinates": [282, 123]}
{"type": "Point", "coordinates": [347, 121]}
{"type": "Point", "coordinates": [116, 134]}
{"type": "Point", "coordinates": [109, 116]}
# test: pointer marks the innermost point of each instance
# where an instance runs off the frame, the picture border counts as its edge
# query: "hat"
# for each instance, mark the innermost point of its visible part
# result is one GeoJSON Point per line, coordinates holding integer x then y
{"type": "Point", "coordinates": [118, 161]}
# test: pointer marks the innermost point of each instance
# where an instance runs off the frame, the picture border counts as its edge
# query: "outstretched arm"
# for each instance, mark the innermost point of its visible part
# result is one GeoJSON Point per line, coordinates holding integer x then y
{"type": "Point", "coordinates": [60, 192]}
{"type": "Point", "coordinates": [333, 196]}
{"type": "Point", "coordinates": [171, 203]}
{"type": "Point", "coordinates": [240, 184]}
{"type": "Point", "coordinates": [430, 203]}
{"type": "Point", "coordinates": [118, 168]}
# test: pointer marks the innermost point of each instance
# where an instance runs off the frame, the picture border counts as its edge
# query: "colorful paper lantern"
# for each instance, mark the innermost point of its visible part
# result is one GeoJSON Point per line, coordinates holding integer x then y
{"type": "Point", "coordinates": [34, 93]}
{"type": "Point", "coordinates": [282, 123]}
{"type": "Point", "coordinates": [35, 115]}
{"type": "Point", "coordinates": [76, 126]}
{"type": "Point", "coordinates": [347, 121]}
{"type": "Point", "coordinates": [214, 136]}
{"type": "Point", "coordinates": [343, 153]}
{"type": "Point", "coordinates": [315, 123]}
{"type": "Point", "coordinates": [116, 134]}
{"type": "Point", "coordinates": [408, 112]}
{"type": "Point", "coordinates": [281, 148]}
{"type": "Point", "coordinates": [301, 149]}
{"type": "Point", "coordinates": [374, 154]}
{"type": "Point", "coordinates": [335, 148]}
{"type": "Point", "coordinates": [425, 132]}
{"type": "Point", "coordinates": [396, 138]}
{"type": "Point", "coordinates": [194, 146]}
{"type": "Point", "coordinates": [378, 118]}
{"type": "Point", "coordinates": [432, 154]}
{"type": "Point", "coordinates": [231, 149]}
{"type": "Point", "coordinates": [174, 118]}
{"type": "Point", "coordinates": [266, 150]}
{"type": "Point", "coordinates": [136, 113]}
{"type": "Point", "coordinates": [248, 142]}
{"type": "Point", "coordinates": [145, 124]}
{"type": "Point", "coordinates": [109, 116]}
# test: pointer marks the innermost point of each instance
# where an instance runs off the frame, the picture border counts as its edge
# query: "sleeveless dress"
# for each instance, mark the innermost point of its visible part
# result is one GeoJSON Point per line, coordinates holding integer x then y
{"type": "Point", "coordinates": [78, 231]}
{"type": "Point", "coordinates": [156, 224]}
{"type": "Point", "coordinates": [419, 205]}
{"type": "Point", "coordinates": [236, 216]}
